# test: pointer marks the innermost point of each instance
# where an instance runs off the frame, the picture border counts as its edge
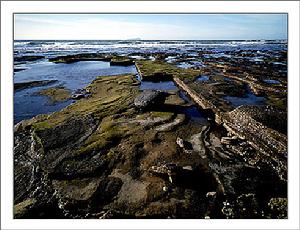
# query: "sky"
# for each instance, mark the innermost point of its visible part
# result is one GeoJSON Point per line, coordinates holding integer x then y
{"type": "Point", "coordinates": [150, 26]}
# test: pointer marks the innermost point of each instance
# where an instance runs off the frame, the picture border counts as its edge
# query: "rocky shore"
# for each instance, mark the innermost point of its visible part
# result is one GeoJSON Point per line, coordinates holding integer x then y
{"type": "Point", "coordinates": [55, 94]}
{"type": "Point", "coordinates": [24, 85]}
{"type": "Point", "coordinates": [113, 59]}
{"type": "Point", "coordinates": [120, 152]}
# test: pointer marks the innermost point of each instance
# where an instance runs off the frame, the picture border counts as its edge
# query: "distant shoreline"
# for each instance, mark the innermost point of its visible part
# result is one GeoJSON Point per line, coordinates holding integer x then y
{"type": "Point", "coordinates": [129, 40]}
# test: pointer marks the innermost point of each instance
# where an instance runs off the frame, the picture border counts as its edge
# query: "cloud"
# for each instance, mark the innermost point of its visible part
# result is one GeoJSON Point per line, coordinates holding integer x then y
{"type": "Point", "coordinates": [90, 28]}
{"type": "Point", "coordinates": [97, 26]}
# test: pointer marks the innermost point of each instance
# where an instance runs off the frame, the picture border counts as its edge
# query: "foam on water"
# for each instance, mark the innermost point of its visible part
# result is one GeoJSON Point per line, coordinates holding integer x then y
{"type": "Point", "coordinates": [143, 46]}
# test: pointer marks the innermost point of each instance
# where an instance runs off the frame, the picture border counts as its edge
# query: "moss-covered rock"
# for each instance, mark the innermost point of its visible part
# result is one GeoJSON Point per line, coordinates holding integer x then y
{"type": "Point", "coordinates": [95, 156]}
{"type": "Point", "coordinates": [55, 94]}
{"type": "Point", "coordinates": [121, 61]}
{"type": "Point", "coordinates": [80, 57]}
{"type": "Point", "coordinates": [162, 71]}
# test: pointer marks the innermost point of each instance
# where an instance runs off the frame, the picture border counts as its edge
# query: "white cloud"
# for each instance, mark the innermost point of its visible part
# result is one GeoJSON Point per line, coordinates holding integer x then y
{"type": "Point", "coordinates": [34, 28]}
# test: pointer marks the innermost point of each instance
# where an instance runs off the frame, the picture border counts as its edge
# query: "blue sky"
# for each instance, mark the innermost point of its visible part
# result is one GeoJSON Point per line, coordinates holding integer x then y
{"type": "Point", "coordinates": [150, 26]}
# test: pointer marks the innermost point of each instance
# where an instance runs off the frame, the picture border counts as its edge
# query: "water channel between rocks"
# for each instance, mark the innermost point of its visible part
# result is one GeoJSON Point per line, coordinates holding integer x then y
{"type": "Point", "coordinates": [28, 104]}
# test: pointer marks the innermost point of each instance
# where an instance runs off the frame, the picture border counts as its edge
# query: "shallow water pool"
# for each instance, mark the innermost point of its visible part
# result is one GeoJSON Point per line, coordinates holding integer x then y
{"type": "Point", "coordinates": [72, 76]}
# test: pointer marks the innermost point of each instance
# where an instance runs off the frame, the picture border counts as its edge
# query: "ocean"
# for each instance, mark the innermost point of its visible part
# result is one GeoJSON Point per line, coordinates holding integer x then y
{"type": "Point", "coordinates": [62, 47]}
{"type": "Point", "coordinates": [27, 103]}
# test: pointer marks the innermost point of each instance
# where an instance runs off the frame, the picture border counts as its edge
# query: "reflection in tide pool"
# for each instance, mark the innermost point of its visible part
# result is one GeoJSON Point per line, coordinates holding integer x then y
{"type": "Point", "coordinates": [250, 99]}
{"type": "Point", "coordinates": [193, 113]}
{"type": "Point", "coordinates": [73, 76]}
{"type": "Point", "coordinates": [163, 85]}
{"type": "Point", "coordinates": [190, 64]}
{"type": "Point", "coordinates": [271, 81]}
{"type": "Point", "coordinates": [202, 78]}
{"type": "Point", "coordinates": [27, 104]}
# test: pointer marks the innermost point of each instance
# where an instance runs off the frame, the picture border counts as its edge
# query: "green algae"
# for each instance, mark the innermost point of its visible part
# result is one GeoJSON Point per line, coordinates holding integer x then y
{"type": "Point", "coordinates": [40, 126]}
{"type": "Point", "coordinates": [159, 71]}
{"type": "Point", "coordinates": [80, 57]}
{"type": "Point", "coordinates": [277, 101]}
{"type": "Point", "coordinates": [106, 134]}
{"type": "Point", "coordinates": [56, 94]}
{"type": "Point", "coordinates": [121, 60]}
{"type": "Point", "coordinates": [107, 97]}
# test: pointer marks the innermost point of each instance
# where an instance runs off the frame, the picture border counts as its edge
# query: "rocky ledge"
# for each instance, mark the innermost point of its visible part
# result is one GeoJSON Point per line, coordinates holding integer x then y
{"type": "Point", "coordinates": [251, 123]}
{"type": "Point", "coordinates": [263, 126]}
{"type": "Point", "coordinates": [92, 159]}
{"type": "Point", "coordinates": [80, 57]}
{"type": "Point", "coordinates": [113, 59]}
{"type": "Point", "coordinates": [27, 58]}
{"type": "Point", "coordinates": [122, 153]}
{"type": "Point", "coordinates": [24, 85]}
{"type": "Point", "coordinates": [55, 94]}
{"type": "Point", "coordinates": [121, 61]}
{"type": "Point", "coordinates": [162, 71]}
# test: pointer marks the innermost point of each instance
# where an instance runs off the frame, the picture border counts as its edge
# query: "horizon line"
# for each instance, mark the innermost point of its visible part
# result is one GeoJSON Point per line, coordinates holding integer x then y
{"type": "Point", "coordinates": [261, 39]}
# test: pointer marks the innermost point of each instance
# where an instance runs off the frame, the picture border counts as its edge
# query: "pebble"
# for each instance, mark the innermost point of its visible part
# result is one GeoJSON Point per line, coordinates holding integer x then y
{"type": "Point", "coordinates": [179, 141]}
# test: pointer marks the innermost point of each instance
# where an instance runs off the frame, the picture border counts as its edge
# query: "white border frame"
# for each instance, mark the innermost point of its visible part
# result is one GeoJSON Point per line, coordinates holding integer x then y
{"type": "Point", "coordinates": [7, 10]}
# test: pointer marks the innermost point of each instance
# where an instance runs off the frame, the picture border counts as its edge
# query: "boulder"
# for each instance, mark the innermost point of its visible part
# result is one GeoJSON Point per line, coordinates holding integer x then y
{"type": "Point", "coordinates": [149, 98]}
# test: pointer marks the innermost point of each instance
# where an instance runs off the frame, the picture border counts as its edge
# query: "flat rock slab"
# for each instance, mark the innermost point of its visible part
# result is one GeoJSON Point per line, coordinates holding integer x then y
{"type": "Point", "coordinates": [85, 189]}
{"type": "Point", "coordinates": [245, 122]}
{"type": "Point", "coordinates": [171, 125]}
{"type": "Point", "coordinates": [132, 191]}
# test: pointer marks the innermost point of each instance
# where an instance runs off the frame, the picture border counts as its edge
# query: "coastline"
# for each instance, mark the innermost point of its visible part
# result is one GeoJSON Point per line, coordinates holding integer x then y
{"type": "Point", "coordinates": [87, 156]}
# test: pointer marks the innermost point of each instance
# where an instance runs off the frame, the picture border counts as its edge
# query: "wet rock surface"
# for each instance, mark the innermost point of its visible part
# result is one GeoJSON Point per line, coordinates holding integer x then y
{"type": "Point", "coordinates": [149, 98]}
{"type": "Point", "coordinates": [251, 123]}
{"type": "Point", "coordinates": [80, 57]}
{"type": "Point", "coordinates": [121, 61]}
{"type": "Point", "coordinates": [27, 58]}
{"type": "Point", "coordinates": [55, 94]}
{"type": "Point", "coordinates": [123, 153]}
{"type": "Point", "coordinates": [113, 59]}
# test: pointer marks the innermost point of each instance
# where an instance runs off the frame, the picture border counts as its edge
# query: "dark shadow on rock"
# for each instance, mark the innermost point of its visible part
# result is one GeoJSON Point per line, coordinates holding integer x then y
{"type": "Point", "coordinates": [196, 179]}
